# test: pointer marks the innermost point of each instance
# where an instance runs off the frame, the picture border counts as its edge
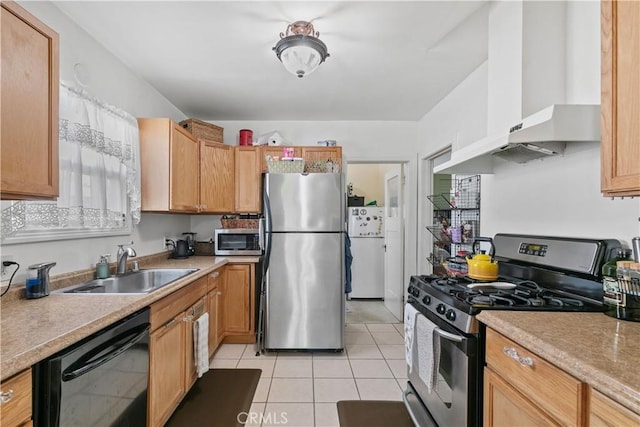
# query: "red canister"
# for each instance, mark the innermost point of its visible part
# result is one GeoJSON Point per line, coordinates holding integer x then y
{"type": "Point", "coordinates": [246, 137]}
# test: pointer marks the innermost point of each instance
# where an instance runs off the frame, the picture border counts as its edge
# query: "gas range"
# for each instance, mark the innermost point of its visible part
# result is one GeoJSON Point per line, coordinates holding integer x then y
{"type": "Point", "coordinates": [537, 274]}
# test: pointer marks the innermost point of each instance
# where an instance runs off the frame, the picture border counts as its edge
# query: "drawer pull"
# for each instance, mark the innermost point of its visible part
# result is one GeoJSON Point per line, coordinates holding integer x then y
{"type": "Point", "coordinates": [215, 274]}
{"type": "Point", "coordinates": [189, 318]}
{"type": "Point", "coordinates": [513, 353]}
{"type": "Point", "coordinates": [6, 396]}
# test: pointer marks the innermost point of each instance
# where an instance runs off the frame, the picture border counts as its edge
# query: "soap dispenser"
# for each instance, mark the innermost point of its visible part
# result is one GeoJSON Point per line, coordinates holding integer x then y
{"type": "Point", "coordinates": [37, 285]}
{"type": "Point", "coordinates": [102, 267]}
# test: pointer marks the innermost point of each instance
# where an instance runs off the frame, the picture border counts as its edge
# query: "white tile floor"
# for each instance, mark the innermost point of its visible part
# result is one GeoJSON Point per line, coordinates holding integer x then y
{"type": "Point", "coordinates": [301, 389]}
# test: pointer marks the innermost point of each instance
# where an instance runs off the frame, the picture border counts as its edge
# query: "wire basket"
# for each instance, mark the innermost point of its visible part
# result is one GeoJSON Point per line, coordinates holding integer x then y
{"type": "Point", "coordinates": [323, 166]}
{"type": "Point", "coordinates": [285, 166]}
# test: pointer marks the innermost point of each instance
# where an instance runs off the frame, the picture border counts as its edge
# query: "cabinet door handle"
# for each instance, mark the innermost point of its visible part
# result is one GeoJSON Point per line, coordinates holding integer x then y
{"type": "Point", "coordinates": [188, 318]}
{"type": "Point", "coordinates": [215, 274]}
{"type": "Point", "coordinates": [513, 353]}
{"type": "Point", "coordinates": [219, 292]}
{"type": "Point", "coordinates": [6, 396]}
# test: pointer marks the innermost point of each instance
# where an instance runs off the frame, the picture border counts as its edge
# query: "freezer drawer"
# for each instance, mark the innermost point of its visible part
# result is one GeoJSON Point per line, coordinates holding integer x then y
{"type": "Point", "coordinates": [305, 292]}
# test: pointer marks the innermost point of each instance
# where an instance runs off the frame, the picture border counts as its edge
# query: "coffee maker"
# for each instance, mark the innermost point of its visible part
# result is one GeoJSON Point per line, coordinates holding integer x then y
{"type": "Point", "coordinates": [191, 242]}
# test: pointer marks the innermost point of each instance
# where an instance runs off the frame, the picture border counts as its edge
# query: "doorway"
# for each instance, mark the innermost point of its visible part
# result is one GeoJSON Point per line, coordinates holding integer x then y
{"type": "Point", "coordinates": [380, 265]}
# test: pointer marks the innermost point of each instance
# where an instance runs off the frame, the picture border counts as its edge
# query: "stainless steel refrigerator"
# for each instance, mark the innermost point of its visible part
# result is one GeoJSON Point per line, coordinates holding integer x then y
{"type": "Point", "coordinates": [304, 261]}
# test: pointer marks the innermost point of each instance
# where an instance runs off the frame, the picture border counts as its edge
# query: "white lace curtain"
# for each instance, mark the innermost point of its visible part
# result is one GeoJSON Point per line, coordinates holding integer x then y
{"type": "Point", "coordinates": [99, 170]}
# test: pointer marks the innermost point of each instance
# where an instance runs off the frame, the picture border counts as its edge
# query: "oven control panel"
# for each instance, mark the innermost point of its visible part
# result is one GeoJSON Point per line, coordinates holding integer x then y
{"type": "Point", "coordinates": [534, 249]}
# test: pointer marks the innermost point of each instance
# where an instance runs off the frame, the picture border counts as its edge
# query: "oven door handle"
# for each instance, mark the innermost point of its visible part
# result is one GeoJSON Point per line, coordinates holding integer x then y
{"type": "Point", "coordinates": [449, 336]}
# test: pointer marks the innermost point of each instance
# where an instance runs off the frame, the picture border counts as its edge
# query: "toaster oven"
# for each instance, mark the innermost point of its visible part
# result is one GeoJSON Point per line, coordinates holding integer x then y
{"type": "Point", "coordinates": [239, 241]}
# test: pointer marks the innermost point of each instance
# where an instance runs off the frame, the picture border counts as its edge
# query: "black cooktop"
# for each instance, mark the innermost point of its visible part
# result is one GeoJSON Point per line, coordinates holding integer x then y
{"type": "Point", "coordinates": [471, 295]}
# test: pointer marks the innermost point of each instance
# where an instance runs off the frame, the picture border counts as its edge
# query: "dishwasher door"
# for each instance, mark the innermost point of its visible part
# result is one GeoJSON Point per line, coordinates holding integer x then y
{"type": "Point", "coordinates": [99, 381]}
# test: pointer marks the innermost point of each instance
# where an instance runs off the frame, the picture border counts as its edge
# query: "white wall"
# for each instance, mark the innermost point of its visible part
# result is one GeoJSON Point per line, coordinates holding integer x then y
{"type": "Point", "coordinates": [558, 195]}
{"type": "Point", "coordinates": [112, 82]}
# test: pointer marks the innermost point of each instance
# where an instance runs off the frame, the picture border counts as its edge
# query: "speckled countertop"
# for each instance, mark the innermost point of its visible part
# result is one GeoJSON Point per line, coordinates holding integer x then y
{"type": "Point", "coordinates": [32, 330]}
{"type": "Point", "coordinates": [597, 349]}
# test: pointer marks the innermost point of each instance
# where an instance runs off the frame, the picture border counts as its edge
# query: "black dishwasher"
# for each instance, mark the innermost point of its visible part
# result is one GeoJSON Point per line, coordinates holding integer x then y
{"type": "Point", "coordinates": [99, 381]}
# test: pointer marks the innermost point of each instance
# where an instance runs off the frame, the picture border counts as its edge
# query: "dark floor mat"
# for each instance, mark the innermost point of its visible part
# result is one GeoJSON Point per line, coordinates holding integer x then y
{"type": "Point", "coordinates": [373, 413]}
{"type": "Point", "coordinates": [217, 399]}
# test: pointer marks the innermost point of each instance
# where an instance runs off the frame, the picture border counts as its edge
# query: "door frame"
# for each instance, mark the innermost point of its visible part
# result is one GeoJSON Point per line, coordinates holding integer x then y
{"type": "Point", "coordinates": [425, 208]}
{"type": "Point", "coordinates": [410, 192]}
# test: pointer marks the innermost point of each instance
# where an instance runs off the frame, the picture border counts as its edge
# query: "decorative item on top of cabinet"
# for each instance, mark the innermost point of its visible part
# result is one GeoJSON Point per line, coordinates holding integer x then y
{"type": "Point", "coordinates": [604, 411]}
{"type": "Point", "coordinates": [620, 86]}
{"type": "Point", "coordinates": [29, 106]}
{"type": "Point", "coordinates": [169, 167]}
{"type": "Point", "coordinates": [216, 177]}
{"type": "Point", "coordinates": [521, 388]}
{"type": "Point", "coordinates": [15, 400]}
{"type": "Point", "coordinates": [248, 179]}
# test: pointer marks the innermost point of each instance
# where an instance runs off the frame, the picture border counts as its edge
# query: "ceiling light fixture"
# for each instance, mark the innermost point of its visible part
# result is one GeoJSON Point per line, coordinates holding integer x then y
{"type": "Point", "coordinates": [300, 50]}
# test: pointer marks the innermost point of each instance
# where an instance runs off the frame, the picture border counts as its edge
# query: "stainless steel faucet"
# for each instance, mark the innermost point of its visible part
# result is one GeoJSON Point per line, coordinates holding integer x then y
{"type": "Point", "coordinates": [123, 254]}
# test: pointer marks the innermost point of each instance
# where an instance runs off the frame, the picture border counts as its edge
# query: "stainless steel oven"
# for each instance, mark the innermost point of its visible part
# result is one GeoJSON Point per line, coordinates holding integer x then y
{"type": "Point", "coordinates": [239, 241]}
{"type": "Point", "coordinates": [536, 273]}
{"type": "Point", "coordinates": [453, 398]}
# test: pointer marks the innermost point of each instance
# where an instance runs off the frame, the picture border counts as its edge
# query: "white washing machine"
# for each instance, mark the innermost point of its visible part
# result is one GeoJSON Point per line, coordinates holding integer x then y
{"type": "Point", "coordinates": [366, 231]}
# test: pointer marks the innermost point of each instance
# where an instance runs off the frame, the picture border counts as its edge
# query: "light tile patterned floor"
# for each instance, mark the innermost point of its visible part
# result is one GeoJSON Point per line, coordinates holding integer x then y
{"type": "Point", "coordinates": [299, 389]}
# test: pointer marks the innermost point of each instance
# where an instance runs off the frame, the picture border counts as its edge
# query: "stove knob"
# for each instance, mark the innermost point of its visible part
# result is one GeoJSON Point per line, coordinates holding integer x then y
{"type": "Point", "coordinates": [441, 308]}
{"type": "Point", "coordinates": [451, 315]}
{"type": "Point", "coordinates": [426, 300]}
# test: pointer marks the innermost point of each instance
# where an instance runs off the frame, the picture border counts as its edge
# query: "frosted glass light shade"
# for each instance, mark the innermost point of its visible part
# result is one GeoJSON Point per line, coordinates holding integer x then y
{"type": "Point", "coordinates": [301, 54]}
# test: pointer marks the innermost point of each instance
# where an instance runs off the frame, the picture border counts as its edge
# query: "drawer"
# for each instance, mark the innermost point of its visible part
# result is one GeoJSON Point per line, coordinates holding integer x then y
{"type": "Point", "coordinates": [604, 411]}
{"type": "Point", "coordinates": [16, 410]}
{"type": "Point", "coordinates": [550, 388]}
{"type": "Point", "coordinates": [167, 308]}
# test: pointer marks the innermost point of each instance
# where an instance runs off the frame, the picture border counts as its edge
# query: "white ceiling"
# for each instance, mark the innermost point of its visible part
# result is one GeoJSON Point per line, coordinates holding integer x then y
{"type": "Point", "coordinates": [213, 60]}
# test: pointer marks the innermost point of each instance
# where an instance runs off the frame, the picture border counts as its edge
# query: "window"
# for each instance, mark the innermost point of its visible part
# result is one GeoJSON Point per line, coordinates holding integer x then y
{"type": "Point", "coordinates": [99, 153]}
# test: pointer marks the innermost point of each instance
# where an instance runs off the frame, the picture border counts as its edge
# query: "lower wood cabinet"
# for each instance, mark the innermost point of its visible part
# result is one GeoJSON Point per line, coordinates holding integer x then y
{"type": "Point", "coordinates": [604, 411]}
{"type": "Point", "coordinates": [171, 362]}
{"type": "Point", "coordinates": [522, 388]}
{"type": "Point", "coordinates": [15, 409]}
{"type": "Point", "coordinates": [239, 303]}
{"type": "Point", "coordinates": [214, 307]}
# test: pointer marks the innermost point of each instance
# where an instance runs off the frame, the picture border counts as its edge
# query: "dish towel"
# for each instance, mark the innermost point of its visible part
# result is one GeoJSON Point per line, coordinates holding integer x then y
{"type": "Point", "coordinates": [409, 324]}
{"type": "Point", "coordinates": [201, 344]}
{"type": "Point", "coordinates": [428, 351]}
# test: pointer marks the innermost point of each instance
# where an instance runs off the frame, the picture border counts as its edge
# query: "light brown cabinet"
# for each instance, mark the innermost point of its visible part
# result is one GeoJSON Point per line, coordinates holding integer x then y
{"type": "Point", "coordinates": [214, 308]}
{"type": "Point", "coordinates": [308, 153]}
{"type": "Point", "coordinates": [171, 361]}
{"type": "Point", "coordinates": [169, 167]}
{"type": "Point", "coordinates": [521, 388]}
{"type": "Point", "coordinates": [620, 86]}
{"type": "Point", "coordinates": [239, 303]}
{"type": "Point", "coordinates": [16, 406]}
{"type": "Point", "coordinates": [605, 412]}
{"type": "Point", "coordinates": [248, 179]}
{"type": "Point", "coordinates": [216, 177]}
{"type": "Point", "coordinates": [29, 80]}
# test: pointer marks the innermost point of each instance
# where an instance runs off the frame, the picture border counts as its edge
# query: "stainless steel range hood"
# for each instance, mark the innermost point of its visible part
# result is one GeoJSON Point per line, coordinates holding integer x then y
{"type": "Point", "coordinates": [542, 134]}
{"type": "Point", "coordinates": [546, 133]}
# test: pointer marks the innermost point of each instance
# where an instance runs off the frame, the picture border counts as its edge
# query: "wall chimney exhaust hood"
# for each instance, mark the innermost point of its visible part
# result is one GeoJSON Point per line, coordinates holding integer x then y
{"type": "Point", "coordinates": [542, 134]}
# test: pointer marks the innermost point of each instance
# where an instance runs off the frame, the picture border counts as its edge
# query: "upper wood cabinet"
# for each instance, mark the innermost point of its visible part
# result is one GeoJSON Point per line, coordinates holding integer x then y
{"type": "Point", "coordinates": [248, 179]}
{"type": "Point", "coordinates": [28, 106]}
{"type": "Point", "coordinates": [620, 85]}
{"type": "Point", "coordinates": [314, 154]}
{"type": "Point", "coordinates": [216, 177]}
{"type": "Point", "coordinates": [169, 167]}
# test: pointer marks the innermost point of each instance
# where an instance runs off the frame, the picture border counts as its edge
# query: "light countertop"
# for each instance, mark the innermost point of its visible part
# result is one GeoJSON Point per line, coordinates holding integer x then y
{"type": "Point", "coordinates": [597, 349]}
{"type": "Point", "coordinates": [32, 330]}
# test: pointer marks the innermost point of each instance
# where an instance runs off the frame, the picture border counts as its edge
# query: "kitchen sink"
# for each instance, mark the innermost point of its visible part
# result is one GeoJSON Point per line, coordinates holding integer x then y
{"type": "Point", "coordinates": [137, 282]}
